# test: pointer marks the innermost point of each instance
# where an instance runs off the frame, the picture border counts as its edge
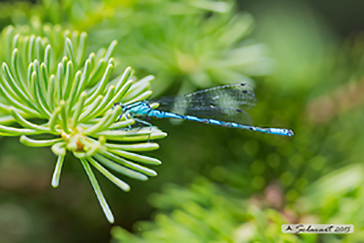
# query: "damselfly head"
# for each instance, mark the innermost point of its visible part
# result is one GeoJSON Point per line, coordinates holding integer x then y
{"type": "Point", "coordinates": [121, 105]}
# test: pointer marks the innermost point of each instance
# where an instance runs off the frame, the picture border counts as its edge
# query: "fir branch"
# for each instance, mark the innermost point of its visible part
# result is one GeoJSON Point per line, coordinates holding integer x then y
{"type": "Point", "coordinates": [44, 80]}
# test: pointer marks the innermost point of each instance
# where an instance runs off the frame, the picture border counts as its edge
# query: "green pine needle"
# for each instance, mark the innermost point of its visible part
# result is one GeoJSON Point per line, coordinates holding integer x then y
{"type": "Point", "coordinates": [48, 87]}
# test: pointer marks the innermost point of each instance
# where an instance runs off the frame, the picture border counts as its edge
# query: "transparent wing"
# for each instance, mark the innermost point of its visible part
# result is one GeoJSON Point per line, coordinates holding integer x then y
{"type": "Point", "coordinates": [226, 103]}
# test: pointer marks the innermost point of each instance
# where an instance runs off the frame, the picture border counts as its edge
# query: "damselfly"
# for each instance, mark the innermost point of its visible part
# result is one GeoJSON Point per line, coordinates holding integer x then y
{"type": "Point", "coordinates": [223, 106]}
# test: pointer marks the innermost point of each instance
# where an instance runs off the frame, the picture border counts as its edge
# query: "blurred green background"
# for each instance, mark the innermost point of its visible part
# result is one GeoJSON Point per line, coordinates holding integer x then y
{"type": "Point", "coordinates": [305, 60]}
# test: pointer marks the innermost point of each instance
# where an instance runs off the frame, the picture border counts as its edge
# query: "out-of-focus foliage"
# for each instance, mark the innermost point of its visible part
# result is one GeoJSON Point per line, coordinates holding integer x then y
{"type": "Point", "coordinates": [336, 198]}
{"type": "Point", "coordinates": [206, 212]}
{"type": "Point", "coordinates": [307, 40]}
{"type": "Point", "coordinates": [255, 182]}
{"type": "Point", "coordinates": [193, 44]}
